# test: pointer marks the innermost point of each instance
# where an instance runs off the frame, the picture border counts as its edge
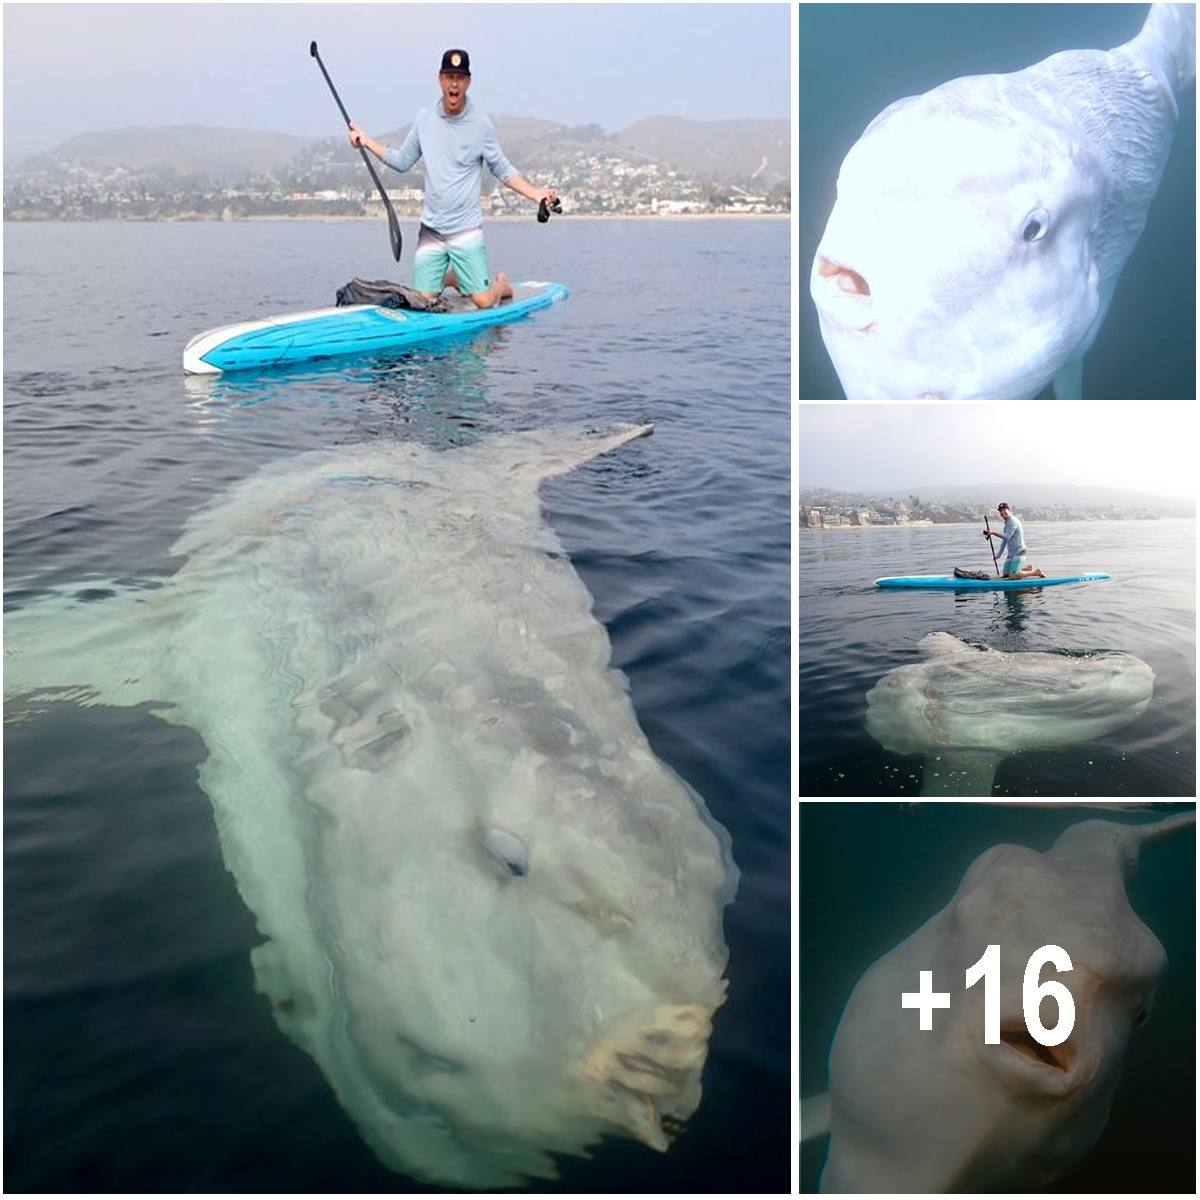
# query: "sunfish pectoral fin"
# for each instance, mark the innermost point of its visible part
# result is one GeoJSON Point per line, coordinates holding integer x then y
{"type": "Point", "coordinates": [960, 772]}
{"type": "Point", "coordinates": [814, 1117]}
{"type": "Point", "coordinates": [1068, 383]}
{"type": "Point", "coordinates": [82, 646]}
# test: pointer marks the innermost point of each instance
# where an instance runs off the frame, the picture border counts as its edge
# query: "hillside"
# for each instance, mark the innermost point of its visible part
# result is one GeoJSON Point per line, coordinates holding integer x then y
{"type": "Point", "coordinates": [746, 153]}
{"type": "Point", "coordinates": [231, 155]}
{"type": "Point", "coordinates": [726, 151]}
{"type": "Point", "coordinates": [1047, 494]}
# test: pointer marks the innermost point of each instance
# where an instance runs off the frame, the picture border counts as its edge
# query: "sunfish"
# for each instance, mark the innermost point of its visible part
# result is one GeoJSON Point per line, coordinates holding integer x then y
{"type": "Point", "coordinates": [980, 229]}
{"type": "Point", "coordinates": [492, 915]}
{"type": "Point", "coordinates": [941, 1110]}
{"type": "Point", "coordinates": [966, 710]}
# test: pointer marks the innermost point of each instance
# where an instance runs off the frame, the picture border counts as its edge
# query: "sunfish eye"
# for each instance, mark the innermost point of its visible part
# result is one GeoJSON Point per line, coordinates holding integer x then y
{"type": "Point", "coordinates": [1034, 227]}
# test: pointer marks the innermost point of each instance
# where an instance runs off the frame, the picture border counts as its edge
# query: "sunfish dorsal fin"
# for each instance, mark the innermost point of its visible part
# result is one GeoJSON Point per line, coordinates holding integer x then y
{"type": "Point", "coordinates": [943, 645]}
{"type": "Point", "coordinates": [538, 454]}
{"type": "Point", "coordinates": [1167, 44]}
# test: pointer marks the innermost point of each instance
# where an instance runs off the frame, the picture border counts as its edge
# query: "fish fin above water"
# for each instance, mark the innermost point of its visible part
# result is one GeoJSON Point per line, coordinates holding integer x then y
{"type": "Point", "coordinates": [1068, 383]}
{"type": "Point", "coordinates": [86, 646]}
{"type": "Point", "coordinates": [536, 454]}
{"type": "Point", "coordinates": [944, 645]}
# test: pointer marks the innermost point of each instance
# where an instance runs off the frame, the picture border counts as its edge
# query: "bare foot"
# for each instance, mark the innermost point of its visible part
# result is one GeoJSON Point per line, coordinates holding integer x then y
{"type": "Point", "coordinates": [500, 290]}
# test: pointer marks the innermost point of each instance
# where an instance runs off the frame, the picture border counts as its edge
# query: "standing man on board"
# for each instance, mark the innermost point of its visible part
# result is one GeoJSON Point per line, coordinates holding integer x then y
{"type": "Point", "coordinates": [1012, 539]}
{"type": "Point", "coordinates": [455, 139]}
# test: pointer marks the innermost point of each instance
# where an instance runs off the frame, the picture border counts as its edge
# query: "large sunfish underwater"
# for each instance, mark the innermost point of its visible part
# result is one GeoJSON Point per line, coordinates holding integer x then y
{"type": "Point", "coordinates": [940, 1109]}
{"type": "Point", "coordinates": [980, 229]}
{"type": "Point", "coordinates": [967, 709]}
{"type": "Point", "coordinates": [492, 916]}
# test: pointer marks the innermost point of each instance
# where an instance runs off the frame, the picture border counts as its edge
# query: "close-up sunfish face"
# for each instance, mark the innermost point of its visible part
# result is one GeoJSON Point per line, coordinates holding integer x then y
{"type": "Point", "coordinates": [957, 262]}
{"type": "Point", "coordinates": [980, 229]}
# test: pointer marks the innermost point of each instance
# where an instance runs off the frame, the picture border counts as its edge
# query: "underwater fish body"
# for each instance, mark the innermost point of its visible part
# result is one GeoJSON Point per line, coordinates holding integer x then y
{"type": "Point", "coordinates": [980, 229]}
{"type": "Point", "coordinates": [966, 709]}
{"type": "Point", "coordinates": [492, 914]}
{"type": "Point", "coordinates": [941, 1110]}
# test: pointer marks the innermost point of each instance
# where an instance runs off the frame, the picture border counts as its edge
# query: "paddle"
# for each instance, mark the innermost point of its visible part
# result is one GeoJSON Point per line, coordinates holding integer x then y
{"type": "Point", "coordinates": [991, 547]}
{"type": "Point", "coordinates": [393, 224]}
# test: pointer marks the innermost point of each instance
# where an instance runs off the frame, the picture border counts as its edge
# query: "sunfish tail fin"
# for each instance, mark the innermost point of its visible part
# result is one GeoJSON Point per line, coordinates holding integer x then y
{"type": "Point", "coordinates": [1167, 44]}
{"type": "Point", "coordinates": [81, 646]}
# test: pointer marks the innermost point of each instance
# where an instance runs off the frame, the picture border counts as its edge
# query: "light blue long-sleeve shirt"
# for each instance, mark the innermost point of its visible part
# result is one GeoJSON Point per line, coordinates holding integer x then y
{"type": "Point", "coordinates": [454, 150]}
{"type": "Point", "coordinates": [1014, 539]}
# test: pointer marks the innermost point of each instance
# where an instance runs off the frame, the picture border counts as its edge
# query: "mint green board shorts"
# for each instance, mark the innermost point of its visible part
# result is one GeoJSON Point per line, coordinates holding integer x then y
{"type": "Point", "coordinates": [436, 253]}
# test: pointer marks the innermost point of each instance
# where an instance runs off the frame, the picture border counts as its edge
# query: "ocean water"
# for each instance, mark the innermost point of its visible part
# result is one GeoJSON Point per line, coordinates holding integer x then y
{"type": "Point", "coordinates": [851, 634]}
{"type": "Point", "coordinates": [138, 1055]}
{"type": "Point", "coordinates": [872, 873]}
{"type": "Point", "coordinates": [857, 59]}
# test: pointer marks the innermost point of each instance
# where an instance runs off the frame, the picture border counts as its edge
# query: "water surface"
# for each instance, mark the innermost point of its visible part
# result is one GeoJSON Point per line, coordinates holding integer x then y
{"type": "Point", "coordinates": [137, 1054]}
{"type": "Point", "coordinates": [851, 634]}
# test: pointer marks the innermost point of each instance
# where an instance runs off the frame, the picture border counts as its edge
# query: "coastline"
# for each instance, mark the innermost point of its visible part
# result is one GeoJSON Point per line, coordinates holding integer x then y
{"type": "Point", "coordinates": [972, 525]}
{"type": "Point", "coordinates": [906, 525]}
{"type": "Point", "coordinates": [325, 218]}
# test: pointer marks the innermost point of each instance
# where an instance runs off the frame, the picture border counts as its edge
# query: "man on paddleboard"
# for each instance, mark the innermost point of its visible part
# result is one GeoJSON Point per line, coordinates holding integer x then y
{"type": "Point", "coordinates": [1012, 540]}
{"type": "Point", "coordinates": [455, 139]}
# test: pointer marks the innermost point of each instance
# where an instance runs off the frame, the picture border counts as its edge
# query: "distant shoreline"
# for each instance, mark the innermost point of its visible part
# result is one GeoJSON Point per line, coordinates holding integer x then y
{"type": "Point", "coordinates": [974, 525]}
{"type": "Point", "coordinates": [322, 218]}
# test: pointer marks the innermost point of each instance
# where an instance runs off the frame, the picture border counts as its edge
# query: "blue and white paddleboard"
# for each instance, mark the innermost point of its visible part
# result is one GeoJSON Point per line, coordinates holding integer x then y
{"type": "Point", "coordinates": [352, 329]}
{"type": "Point", "coordinates": [950, 583]}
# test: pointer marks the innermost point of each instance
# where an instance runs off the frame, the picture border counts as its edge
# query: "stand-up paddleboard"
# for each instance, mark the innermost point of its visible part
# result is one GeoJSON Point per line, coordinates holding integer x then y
{"type": "Point", "coordinates": [951, 583]}
{"type": "Point", "coordinates": [351, 329]}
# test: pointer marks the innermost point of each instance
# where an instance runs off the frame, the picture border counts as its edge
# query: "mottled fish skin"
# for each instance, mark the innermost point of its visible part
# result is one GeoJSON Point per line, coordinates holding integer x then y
{"type": "Point", "coordinates": [941, 1110]}
{"type": "Point", "coordinates": [491, 914]}
{"type": "Point", "coordinates": [980, 229]}
{"type": "Point", "coordinates": [966, 709]}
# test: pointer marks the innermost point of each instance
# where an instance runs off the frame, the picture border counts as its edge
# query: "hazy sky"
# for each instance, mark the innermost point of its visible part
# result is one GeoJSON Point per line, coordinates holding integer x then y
{"type": "Point", "coordinates": [1145, 446]}
{"type": "Point", "coordinates": [71, 68]}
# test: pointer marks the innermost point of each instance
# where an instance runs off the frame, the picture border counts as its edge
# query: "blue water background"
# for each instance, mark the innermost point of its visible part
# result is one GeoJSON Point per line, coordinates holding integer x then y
{"type": "Point", "coordinates": [856, 59]}
{"type": "Point", "coordinates": [873, 873]}
{"type": "Point", "coordinates": [137, 1054]}
{"type": "Point", "coordinates": [851, 634]}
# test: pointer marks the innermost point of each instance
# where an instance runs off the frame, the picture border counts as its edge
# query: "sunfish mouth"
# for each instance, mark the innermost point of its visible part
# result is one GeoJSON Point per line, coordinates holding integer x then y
{"type": "Point", "coordinates": [842, 295]}
{"type": "Point", "coordinates": [1020, 1041]}
{"type": "Point", "coordinates": [842, 277]}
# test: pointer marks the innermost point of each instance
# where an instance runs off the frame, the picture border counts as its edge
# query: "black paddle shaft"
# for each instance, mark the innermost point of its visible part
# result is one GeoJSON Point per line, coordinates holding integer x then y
{"type": "Point", "coordinates": [991, 547]}
{"type": "Point", "coordinates": [393, 223]}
